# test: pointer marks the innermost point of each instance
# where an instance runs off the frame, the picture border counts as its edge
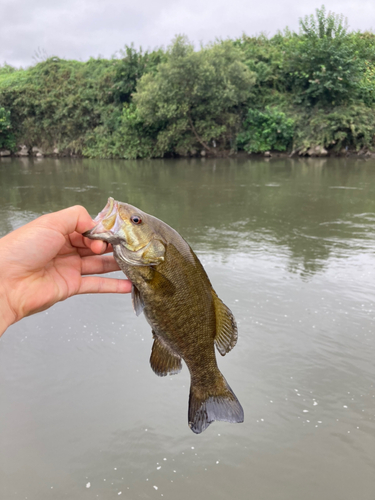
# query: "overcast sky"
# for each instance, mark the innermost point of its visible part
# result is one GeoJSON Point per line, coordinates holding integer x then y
{"type": "Point", "coordinates": [78, 29]}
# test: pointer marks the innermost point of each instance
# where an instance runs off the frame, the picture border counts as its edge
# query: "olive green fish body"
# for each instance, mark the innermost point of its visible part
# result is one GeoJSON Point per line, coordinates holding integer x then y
{"type": "Point", "coordinates": [185, 314]}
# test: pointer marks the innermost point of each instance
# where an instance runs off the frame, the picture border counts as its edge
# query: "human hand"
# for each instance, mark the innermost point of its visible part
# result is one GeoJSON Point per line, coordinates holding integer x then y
{"type": "Point", "coordinates": [48, 260]}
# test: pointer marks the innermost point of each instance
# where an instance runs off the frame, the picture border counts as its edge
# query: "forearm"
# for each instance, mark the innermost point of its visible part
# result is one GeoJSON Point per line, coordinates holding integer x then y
{"type": "Point", "coordinates": [7, 316]}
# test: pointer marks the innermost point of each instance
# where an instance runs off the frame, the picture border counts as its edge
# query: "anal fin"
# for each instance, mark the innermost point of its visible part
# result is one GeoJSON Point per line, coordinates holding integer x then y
{"type": "Point", "coordinates": [226, 326]}
{"type": "Point", "coordinates": [163, 360]}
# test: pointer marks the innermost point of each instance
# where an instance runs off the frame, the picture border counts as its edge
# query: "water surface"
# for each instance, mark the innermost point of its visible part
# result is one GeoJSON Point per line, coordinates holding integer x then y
{"type": "Point", "coordinates": [290, 247]}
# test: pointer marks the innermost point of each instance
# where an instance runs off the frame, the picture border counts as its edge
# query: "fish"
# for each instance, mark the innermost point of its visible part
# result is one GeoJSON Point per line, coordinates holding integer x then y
{"type": "Point", "coordinates": [188, 320]}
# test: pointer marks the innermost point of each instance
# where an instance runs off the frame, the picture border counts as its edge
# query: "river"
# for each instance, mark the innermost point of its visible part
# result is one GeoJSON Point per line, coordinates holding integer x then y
{"type": "Point", "coordinates": [289, 246]}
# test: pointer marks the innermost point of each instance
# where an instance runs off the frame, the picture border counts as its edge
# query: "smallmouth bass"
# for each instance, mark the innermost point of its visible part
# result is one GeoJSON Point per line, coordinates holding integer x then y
{"type": "Point", "coordinates": [174, 292]}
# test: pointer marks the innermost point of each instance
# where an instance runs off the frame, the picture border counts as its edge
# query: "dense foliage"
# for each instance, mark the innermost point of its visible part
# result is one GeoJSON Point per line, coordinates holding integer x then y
{"type": "Point", "coordinates": [290, 92]}
{"type": "Point", "coordinates": [195, 98]}
{"type": "Point", "coordinates": [323, 63]}
{"type": "Point", "coordinates": [7, 140]}
{"type": "Point", "coordinates": [266, 130]}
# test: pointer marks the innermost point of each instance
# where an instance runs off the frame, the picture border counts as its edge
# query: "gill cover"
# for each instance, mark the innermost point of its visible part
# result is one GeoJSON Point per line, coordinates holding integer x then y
{"type": "Point", "coordinates": [150, 255]}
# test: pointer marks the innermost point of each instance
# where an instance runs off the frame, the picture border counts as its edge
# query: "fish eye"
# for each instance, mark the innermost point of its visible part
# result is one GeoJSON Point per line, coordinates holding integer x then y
{"type": "Point", "coordinates": [136, 219]}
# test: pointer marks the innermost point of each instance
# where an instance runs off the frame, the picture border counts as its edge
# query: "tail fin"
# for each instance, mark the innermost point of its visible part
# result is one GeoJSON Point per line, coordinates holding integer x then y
{"type": "Point", "coordinates": [203, 410]}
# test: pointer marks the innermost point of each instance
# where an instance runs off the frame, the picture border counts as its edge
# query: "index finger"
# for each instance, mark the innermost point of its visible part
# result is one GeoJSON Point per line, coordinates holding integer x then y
{"type": "Point", "coordinates": [69, 220]}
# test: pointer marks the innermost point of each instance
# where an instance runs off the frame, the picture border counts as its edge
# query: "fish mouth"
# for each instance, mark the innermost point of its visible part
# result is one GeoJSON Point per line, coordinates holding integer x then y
{"type": "Point", "coordinates": [108, 225]}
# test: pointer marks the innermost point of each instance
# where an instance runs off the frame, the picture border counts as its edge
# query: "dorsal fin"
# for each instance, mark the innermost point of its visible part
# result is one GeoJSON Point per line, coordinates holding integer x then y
{"type": "Point", "coordinates": [226, 327]}
{"type": "Point", "coordinates": [163, 360]}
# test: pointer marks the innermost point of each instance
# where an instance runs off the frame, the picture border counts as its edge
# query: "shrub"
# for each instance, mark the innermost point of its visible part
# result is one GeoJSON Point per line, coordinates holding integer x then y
{"type": "Point", "coordinates": [62, 103]}
{"type": "Point", "coordinates": [352, 126]}
{"type": "Point", "coordinates": [367, 84]}
{"type": "Point", "coordinates": [131, 139]}
{"type": "Point", "coordinates": [266, 130]}
{"type": "Point", "coordinates": [7, 140]}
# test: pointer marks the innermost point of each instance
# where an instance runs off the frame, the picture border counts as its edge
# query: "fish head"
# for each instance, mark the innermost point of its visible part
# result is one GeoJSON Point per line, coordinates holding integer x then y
{"type": "Point", "coordinates": [130, 231]}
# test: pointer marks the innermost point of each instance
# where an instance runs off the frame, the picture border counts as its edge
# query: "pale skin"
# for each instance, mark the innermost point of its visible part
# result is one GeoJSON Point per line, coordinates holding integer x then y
{"type": "Point", "coordinates": [48, 260]}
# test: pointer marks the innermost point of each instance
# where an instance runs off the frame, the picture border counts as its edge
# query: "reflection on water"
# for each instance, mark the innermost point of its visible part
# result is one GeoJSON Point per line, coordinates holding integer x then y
{"type": "Point", "coordinates": [289, 246]}
{"type": "Point", "coordinates": [312, 209]}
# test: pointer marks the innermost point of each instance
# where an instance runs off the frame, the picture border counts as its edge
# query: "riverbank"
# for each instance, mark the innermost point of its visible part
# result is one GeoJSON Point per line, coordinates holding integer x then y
{"type": "Point", "coordinates": [318, 152]}
{"type": "Point", "coordinates": [310, 93]}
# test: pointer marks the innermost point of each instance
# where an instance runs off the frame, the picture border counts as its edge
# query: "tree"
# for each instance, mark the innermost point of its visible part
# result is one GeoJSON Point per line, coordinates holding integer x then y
{"type": "Point", "coordinates": [322, 64]}
{"type": "Point", "coordinates": [129, 69]}
{"type": "Point", "coordinates": [195, 97]}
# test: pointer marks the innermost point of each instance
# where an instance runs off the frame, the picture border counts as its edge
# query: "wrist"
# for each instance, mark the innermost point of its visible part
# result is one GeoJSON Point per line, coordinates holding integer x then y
{"type": "Point", "coordinates": [7, 316]}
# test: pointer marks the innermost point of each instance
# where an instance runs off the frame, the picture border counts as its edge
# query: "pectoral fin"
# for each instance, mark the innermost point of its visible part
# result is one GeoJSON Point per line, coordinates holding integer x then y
{"type": "Point", "coordinates": [137, 301]}
{"type": "Point", "coordinates": [163, 285]}
{"type": "Point", "coordinates": [163, 360]}
{"type": "Point", "coordinates": [226, 327]}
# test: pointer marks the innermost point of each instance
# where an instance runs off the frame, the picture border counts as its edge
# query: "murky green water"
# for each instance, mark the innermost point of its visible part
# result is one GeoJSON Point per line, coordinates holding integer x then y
{"type": "Point", "coordinates": [290, 247]}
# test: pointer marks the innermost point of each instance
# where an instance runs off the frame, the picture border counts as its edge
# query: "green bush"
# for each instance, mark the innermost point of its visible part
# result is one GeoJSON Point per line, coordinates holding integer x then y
{"type": "Point", "coordinates": [265, 58]}
{"type": "Point", "coordinates": [130, 68]}
{"type": "Point", "coordinates": [131, 139]}
{"type": "Point", "coordinates": [345, 126]}
{"type": "Point", "coordinates": [266, 130]}
{"type": "Point", "coordinates": [7, 140]}
{"type": "Point", "coordinates": [67, 104]}
{"type": "Point", "coordinates": [367, 84]}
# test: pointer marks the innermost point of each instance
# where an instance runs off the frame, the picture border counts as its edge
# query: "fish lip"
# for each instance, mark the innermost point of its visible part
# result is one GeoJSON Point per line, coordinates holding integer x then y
{"type": "Point", "coordinates": [108, 210]}
{"type": "Point", "coordinates": [99, 232]}
{"type": "Point", "coordinates": [96, 234]}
